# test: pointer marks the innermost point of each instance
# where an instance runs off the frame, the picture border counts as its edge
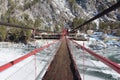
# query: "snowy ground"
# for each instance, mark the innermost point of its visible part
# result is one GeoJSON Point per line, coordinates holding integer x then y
{"type": "Point", "coordinates": [30, 68]}
{"type": "Point", "coordinates": [89, 67]}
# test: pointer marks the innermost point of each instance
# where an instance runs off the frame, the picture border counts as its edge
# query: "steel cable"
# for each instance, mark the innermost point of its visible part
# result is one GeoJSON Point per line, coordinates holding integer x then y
{"type": "Point", "coordinates": [113, 7]}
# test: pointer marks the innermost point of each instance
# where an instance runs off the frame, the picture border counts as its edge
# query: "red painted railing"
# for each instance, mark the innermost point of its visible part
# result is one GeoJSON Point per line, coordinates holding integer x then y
{"type": "Point", "coordinates": [11, 63]}
{"type": "Point", "coordinates": [106, 61]}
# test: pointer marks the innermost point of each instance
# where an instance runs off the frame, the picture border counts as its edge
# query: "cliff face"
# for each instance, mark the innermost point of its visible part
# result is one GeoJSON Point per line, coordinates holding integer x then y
{"type": "Point", "coordinates": [56, 12]}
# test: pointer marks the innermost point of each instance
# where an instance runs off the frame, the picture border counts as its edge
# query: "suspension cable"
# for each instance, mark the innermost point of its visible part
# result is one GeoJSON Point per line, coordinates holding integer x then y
{"type": "Point", "coordinates": [22, 27]}
{"type": "Point", "coordinates": [113, 7]}
{"type": "Point", "coordinates": [14, 25]}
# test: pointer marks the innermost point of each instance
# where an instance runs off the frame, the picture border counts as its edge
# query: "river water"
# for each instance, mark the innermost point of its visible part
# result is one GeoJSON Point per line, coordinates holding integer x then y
{"type": "Point", "coordinates": [91, 68]}
{"type": "Point", "coordinates": [111, 52]}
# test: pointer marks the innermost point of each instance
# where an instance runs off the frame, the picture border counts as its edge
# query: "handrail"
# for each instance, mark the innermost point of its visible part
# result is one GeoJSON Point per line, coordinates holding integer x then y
{"type": "Point", "coordinates": [11, 63]}
{"type": "Point", "coordinates": [106, 61]}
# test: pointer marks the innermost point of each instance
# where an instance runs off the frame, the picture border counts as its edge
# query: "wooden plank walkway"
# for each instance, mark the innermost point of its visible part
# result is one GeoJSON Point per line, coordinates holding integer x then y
{"type": "Point", "coordinates": [61, 68]}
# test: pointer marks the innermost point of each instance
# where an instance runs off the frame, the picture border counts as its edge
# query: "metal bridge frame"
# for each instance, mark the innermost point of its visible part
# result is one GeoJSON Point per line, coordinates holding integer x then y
{"type": "Point", "coordinates": [106, 61]}
{"type": "Point", "coordinates": [11, 63]}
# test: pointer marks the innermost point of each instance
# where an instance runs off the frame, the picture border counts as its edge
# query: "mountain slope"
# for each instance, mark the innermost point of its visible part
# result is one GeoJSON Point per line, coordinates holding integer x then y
{"type": "Point", "coordinates": [54, 14]}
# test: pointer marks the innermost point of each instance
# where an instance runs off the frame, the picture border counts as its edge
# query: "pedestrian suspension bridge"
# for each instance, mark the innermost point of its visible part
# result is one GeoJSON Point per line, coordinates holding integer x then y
{"type": "Point", "coordinates": [62, 65]}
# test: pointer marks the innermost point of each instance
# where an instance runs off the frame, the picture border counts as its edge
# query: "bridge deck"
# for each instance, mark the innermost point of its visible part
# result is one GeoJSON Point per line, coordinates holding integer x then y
{"type": "Point", "coordinates": [61, 68]}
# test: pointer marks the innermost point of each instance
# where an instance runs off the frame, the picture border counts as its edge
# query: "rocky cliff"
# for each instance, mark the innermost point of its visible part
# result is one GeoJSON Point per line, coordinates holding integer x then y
{"type": "Point", "coordinates": [52, 13]}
